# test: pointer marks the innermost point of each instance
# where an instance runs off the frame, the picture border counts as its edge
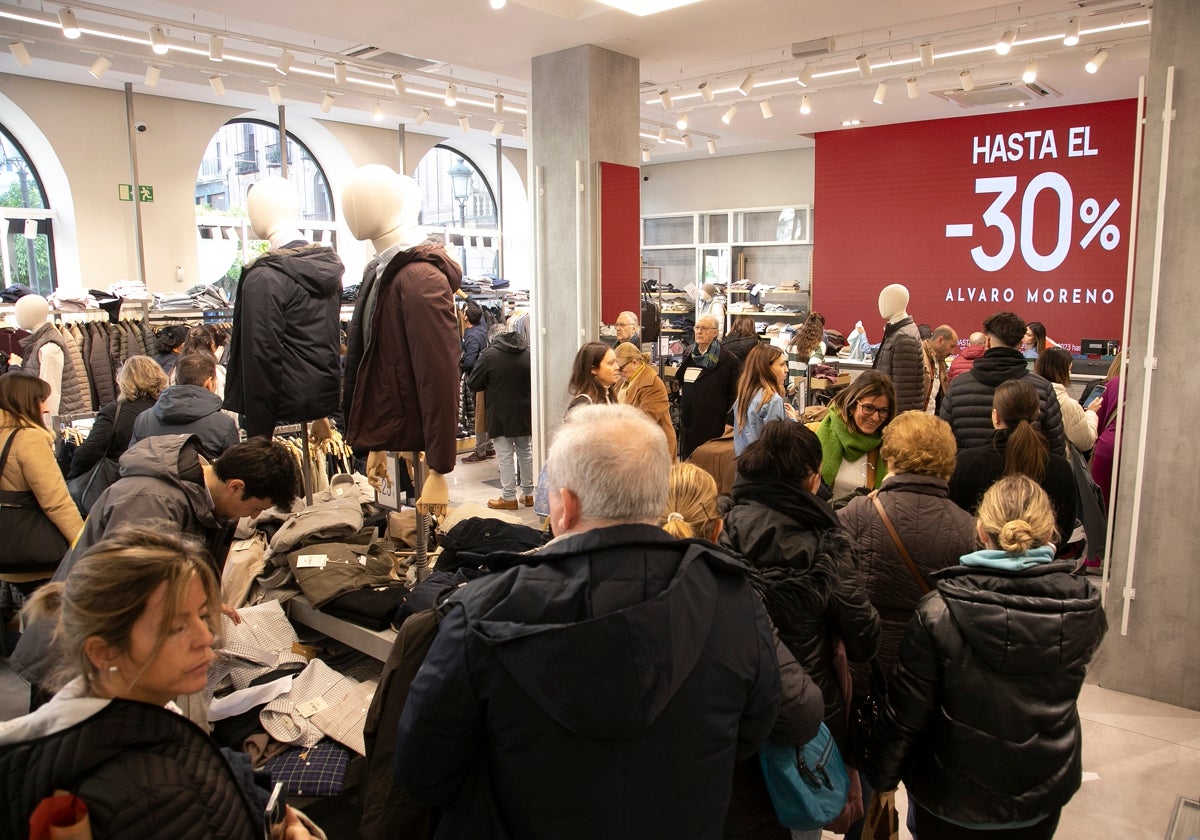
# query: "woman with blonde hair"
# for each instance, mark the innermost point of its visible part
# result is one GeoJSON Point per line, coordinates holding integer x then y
{"type": "Point", "coordinates": [761, 395]}
{"type": "Point", "coordinates": [980, 719]}
{"type": "Point", "coordinates": [139, 382]}
{"type": "Point", "coordinates": [641, 388]}
{"type": "Point", "coordinates": [692, 504]}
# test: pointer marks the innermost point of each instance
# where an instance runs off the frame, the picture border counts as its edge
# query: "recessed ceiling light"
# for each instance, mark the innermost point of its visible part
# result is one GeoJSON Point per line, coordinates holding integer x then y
{"type": "Point", "coordinates": [641, 8]}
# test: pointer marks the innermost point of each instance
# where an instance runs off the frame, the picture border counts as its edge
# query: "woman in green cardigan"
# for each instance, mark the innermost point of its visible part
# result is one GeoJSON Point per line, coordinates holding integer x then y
{"type": "Point", "coordinates": [851, 434]}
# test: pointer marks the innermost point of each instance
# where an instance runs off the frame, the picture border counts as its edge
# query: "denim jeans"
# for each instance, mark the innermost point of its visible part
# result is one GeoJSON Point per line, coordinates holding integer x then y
{"type": "Point", "coordinates": [522, 449]}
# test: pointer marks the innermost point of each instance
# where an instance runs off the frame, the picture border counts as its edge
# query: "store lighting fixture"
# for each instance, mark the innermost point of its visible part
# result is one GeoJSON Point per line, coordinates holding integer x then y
{"type": "Point", "coordinates": [498, 103]}
{"type": "Point", "coordinates": [728, 116]}
{"type": "Point", "coordinates": [864, 66]}
{"type": "Point", "coordinates": [216, 48]}
{"type": "Point", "coordinates": [497, 4]}
{"type": "Point", "coordinates": [664, 96]}
{"type": "Point", "coordinates": [706, 92]}
{"type": "Point", "coordinates": [681, 122]}
{"type": "Point", "coordinates": [850, 123]}
{"type": "Point", "coordinates": [101, 64]}
{"type": "Point", "coordinates": [397, 84]}
{"type": "Point", "coordinates": [275, 94]}
{"type": "Point", "coordinates": [326, 103]}
{"type": "Point", "coordinates": [1005, 44]}
{"type": "Point", "coordinates": [805, 105]}
{"type": "Point", "coordinates": [497, 128]}
{"type": "Point", "coordinates": [712, 146]}
{"type": "Point", "coordinates": [662, 134]}
{"type": "Point", "coordinates": [880, 93]}
{"type": "Point", "coordinates": [158, 40]}
{"type": "Point", "coordinates": [806, 73]}
{"type": "Point", "coordinates": [524, 132]}
{"type": "Point", "coordinates": [1096, 61]}
{"type": "Point", "coordinates": [339, 72]}
{"type": "Point", "coordinates": [747, 84]}
{"type": "Point", "coordinates": [968, 83]}
{"type": "Point", "coordinates": [422, 115]}
{"type": "Point", "coordinates": [926, 55]}
{"type": "Point", "coordinates": [20, 53]}
{"type": "Point", "coordinates": [464, 122]}
{"type": "Point", "coordinates": [645, 154]}
{"type": "Point", "coordinates": [1071, 38]}
{"type": "Point", "coordinates": [767, 110]}
{"type": "Point", "coordinates": [451, 97]}
{"type": "Point", "coordinates": [377, 113]}
{"type": "Point", "coordinates": [218, 86]}
{"type": "Point", "coordinates": [152, 74]}
{"type": "Point", "coordinates": [70, 26]}
{"type": "Point", "coordinates": [687, 142]}
{"type": "Point", "coordinates": [1030, 74]}
{"type": "Point", "coordinates": [914, 89]}
{"type": "Point", "coordinates": [284, 63]}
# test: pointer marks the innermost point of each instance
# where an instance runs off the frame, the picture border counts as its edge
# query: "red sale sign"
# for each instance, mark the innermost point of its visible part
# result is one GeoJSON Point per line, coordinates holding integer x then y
{"type": "Point", "coordinates": [1027, 211]}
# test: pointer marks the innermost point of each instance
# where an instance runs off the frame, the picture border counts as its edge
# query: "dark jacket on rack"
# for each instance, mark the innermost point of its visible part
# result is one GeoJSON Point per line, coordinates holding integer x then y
{"type": "Point", "coordinates": [502, 373]}
{"type": "Point", "coordinates": [284, 358]}
{"type": "Point", "coordinates": [980, 719]}
{"type": "Point", "coordinates": [72, 400]}
{"type": "Point", "coordinates": [73, 340]}
{"type": "Point", "coordinates": [107, 439]}
{"type": "Point", "coordinates": [188, 410]}
{"type": "Point", "coordinates": [967, 406]}
{"type": "Point", "coordinates": [705, 403]}
{"type": "Point", "coordinates": [100, 363]}
{"type": "Point", "coordinates": [607, 685]}
{"type": "Point", "coordinates": [902, 357]}
{"type": "Point", "coordinates": [806, 573]}
{"type": "Point", "coordinates": [406, 391]}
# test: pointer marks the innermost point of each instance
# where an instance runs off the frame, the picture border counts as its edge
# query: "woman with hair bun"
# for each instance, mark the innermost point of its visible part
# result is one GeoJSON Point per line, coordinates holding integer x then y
{"type": "Point", "coordinates": [692, 505]}
{"type": "Point", "coordinates": [980, 721]}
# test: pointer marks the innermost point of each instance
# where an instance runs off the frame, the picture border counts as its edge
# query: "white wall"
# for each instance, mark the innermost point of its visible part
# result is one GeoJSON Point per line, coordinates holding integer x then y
{"type": "Point", "coordinates": [769, 179]}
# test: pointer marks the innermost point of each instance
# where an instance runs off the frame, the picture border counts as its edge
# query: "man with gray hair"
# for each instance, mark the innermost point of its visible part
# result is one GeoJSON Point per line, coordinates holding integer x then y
{"type": "Point", "coordinates": [604, 685]}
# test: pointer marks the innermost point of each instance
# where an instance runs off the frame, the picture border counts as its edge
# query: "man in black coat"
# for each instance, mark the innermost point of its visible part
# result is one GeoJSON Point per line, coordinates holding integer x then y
{"type": "Point", "coordinates": [707, 377]}
{"type": "Point", "coordinates": [474, 341]}
{"type": "Point", "coordinates": [502, 374]}
{"type": "Point", "coordinates": [604, 686]}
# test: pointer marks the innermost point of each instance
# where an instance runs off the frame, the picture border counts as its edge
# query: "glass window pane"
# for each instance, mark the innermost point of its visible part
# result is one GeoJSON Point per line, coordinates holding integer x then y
{"type": "Point", "coordinates": [674, 230]}
{"type": "Point", "coordinates": [29, 260]}
{"type": "Point", "coordinates": [454, 194]}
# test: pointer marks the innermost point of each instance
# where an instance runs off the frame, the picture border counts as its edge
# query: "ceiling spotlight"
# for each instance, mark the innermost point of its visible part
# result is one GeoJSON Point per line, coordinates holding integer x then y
{"type": "Point", "coordinates": [864, 66]}
{"type": "Point", "coordinates": [275, 94]}
{"type": "Point", "coordinates": [152, 74]}
{"type": "Point", "coordinates": [101, 64]}
{"type": "Point", "coordinates": [805, 105]}
{"type": "Point", "coordinates": [284, 63]}
{"type": "Point", "coordinates": [377, 113]}
{"type": "Point", "coordinates": [914, 89]}
{"type": "Point", "coordinates": [422, 115]}
{"type": "Point", "coordinates": [158, 40]}
{"type": "Point", "coordinates": [728, 116]}
{"type": "Point", "coordinates": [216, 48]}
{"type": "Point", "coordinates": [664, 96]}
{"type": "Point", "coordinates": [524, 132]}
{"type": "Point", "coordinates": [451, 98]}
{"type": "Point", "coordinates": [706, 92]}
{"type": "Point", "coordinates": [398, 84]}
{"type": "Point", "coordinates": [1004, 45]}
{"type": "Point", "coordinates": [926, 55]}
{"type": "Point", "coordinates": [70, 26]}
{"type": "Point", "coordinates": [681, 122]}
{"type": "Point", "coordinates": [1096, 61]}
{"type": "Point", "coordinates": [880, 93]}
{"type": "Point", "coordinates": [498, 103]}
{"type": "Point", "coordinates": [464, 122]}
{"type": "Point", "coordinates": [339, 72]}
{"type": "Point", "coordinates": [767, 110]}
{"type": "Point", "coordinates": [645, 154]}
{"type": "Point", "coordinates": [497, 4]}
{"type": "Point", "coordinates": [687, 142]}
{"type": "Point", "coordinates": [747, 84]}
{"type": "Point", "coordinates": [1071, 38]}
{"type": "Point", "coordinates": [712, 146]}
{"type": "Point", "coordinates": [20, 53]}
{"type": "Point", "coordinates": [497, 128]}
{"type": "Point", "coordinates": [662, 134]}
{"type": "Point", "coordinates": [1030, 74]}
{"type": "Point", "coordinates": [326, 103]}
{"type": "Point", "coordinates": [217, 85]}
{"type": "Point", "coordinates": [805, 75]}
{"type": "Point", "coordinates": [968, 83]}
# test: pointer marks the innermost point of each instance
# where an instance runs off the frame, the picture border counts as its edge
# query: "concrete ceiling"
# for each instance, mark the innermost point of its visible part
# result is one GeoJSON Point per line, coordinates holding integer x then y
{"type": "Point", "coordinates": [484, 50]}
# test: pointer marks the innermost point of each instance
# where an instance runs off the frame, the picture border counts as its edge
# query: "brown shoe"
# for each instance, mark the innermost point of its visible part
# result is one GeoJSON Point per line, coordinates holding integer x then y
{"type": "Point", "coordinates": [475, 458]}
{"type": "Point", "coordinates": [502, 504]}
{"type": "Point", "coordinates": [528, 501]}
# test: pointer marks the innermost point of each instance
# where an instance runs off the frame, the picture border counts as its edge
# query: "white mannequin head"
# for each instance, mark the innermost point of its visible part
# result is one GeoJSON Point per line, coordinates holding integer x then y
{"type": "Point", "coordinates": [274, 209]}
{"type": "Point", "coordinates": [383, 206]}
{"type": "Point", "coordinates": [893, 303]}
{"type": "Point", "coordinates": [31, 312]}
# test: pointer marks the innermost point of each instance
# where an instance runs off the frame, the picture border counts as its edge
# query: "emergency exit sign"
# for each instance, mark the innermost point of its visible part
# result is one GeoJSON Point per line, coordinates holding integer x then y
{"type": "Point", "coordinates": [145, 192]}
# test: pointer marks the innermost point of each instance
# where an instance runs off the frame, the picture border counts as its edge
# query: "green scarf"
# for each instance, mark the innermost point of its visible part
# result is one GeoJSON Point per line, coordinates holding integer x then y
{"type": "Point", "coordinates": [708, 360]}
{"type": "Point", "coordinates": [839, 444]}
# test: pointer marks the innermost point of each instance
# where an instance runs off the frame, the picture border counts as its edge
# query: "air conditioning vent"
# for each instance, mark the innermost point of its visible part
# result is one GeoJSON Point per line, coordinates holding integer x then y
{"type": "Point", "coordinates": [395, 62]}
{"type": "Point", "coordinates": [999, 93]}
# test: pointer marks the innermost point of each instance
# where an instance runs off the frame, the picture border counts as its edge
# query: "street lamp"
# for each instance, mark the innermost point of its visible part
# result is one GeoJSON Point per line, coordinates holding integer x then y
{"type": "Point", "coordinates": [460, 177]}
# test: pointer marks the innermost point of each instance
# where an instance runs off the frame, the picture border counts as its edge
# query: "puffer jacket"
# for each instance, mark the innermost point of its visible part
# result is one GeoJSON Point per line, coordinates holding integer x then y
{"type": "Point", "coordinates": [967, 406]}
{"type": "Point", "coordinates": [284, 352]}
{"type": "Point", "coordinates": [806, 573]}
{"type": "Point", "coordinates": [934, 530]}
{"type": "Point", "coordinates": [902, 357]}
{"type": "Point", "coordinates": [71, 396]}
{"type": "Point", "coordinates": [1079, 425]}
{"type": "Point", "coordinates": [981, 720]}
{"type": "Point", "coordinates": [188, 410]}
{"type": "Point", "coordinates": [962, 363]}
{"type": "Point", "coordinates": [106, 438]}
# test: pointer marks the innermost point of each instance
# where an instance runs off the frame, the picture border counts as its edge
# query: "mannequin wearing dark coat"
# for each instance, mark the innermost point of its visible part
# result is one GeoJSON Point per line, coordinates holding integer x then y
{"type": "Point", "coordinates": [106, 438]}
{"type": "Point", "coordinates": [902, 357]}
{"type": "Point", "coordinates": [284, 361]}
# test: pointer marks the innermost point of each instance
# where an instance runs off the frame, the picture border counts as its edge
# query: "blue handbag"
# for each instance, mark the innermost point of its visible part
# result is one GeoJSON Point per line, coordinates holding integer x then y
{"type": "Point", "coordinates": [808, 784]}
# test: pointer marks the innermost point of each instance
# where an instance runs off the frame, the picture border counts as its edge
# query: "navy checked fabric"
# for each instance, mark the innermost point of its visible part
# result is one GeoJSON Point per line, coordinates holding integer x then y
{"type": "Point", "coordinates": [311, 771]}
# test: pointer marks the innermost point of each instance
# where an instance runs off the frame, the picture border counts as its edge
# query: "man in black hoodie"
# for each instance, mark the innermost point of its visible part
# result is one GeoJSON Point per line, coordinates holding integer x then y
{"type": "Point", "coordinates": [502, 374]}
{"type": "Point", "coordinates": [967, 406]}
{"type": "Point", "coordinates": [190, 407]}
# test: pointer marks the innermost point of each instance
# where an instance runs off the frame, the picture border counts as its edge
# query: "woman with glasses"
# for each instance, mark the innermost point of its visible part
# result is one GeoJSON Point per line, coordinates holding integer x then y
{"type": "Point", "coordinates": [708, 378]}
{"type": "Point", "coordinates": [851, 435]}
{"type": "Point", "coordinates": [641, 388]}
{"type": "Point", "coordinates": [761, 395]}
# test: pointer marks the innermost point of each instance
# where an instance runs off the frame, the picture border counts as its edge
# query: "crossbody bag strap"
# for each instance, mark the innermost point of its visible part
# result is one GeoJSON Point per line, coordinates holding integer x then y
{"type": "Point", "coordinates": [113, 433]}
{"type": "Point", "coordinates": [7, 445]}
{"type": "Point", "coordinates": [872, 467]}
{"type": "Point", "coordinates": [887, 522]}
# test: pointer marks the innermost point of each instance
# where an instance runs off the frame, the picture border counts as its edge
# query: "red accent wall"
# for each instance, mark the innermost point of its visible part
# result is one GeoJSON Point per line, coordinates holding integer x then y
{"type": "Point", "coordinates": [620, 240]}
{"type": "Point", "coordinates": [976, 215]}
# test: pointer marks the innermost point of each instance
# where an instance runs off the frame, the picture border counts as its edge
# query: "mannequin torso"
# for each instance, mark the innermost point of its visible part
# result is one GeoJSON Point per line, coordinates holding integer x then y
{"type": "Point", "coordinates": [901, 353]}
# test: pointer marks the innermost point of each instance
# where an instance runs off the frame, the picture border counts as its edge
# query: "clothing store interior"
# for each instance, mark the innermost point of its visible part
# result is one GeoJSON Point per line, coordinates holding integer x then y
{"type": "Point", "coordinates": [451, 420]}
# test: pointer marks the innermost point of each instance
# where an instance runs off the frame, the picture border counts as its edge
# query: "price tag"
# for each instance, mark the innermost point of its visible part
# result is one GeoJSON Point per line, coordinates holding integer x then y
{"type": "Point", "coordinates": [312, 561]}
{"type": "Point", "coordinates": [310, 707]}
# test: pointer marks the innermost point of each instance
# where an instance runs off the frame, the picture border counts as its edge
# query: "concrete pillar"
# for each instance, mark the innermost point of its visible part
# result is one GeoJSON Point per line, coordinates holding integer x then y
{"type": "Point", "coordinates": [583, 110]}
{"type": "Point", "coordinates": [1157, 533]}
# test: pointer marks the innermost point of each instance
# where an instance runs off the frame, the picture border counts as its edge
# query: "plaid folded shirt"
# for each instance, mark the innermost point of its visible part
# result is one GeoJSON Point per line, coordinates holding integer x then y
{"type": "Point", "coordinates": [285, 718]}
{"type": "Point", "coordinates": [319, 770]}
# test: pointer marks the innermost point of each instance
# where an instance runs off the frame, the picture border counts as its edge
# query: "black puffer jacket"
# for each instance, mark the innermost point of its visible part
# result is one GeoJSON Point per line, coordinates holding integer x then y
{"type": "Point", "coordinates": [808, 579]}
{"type": "Point", "coordinates": [967, 406]}
{"type": "Point", "coordinates": [284, 364]}
{"type": "Point", "coordinates": [107, 438]}
{"type": "Point", "coordinates": [902, 357]}
{"type": "Point", "coordinates": [981, 721]}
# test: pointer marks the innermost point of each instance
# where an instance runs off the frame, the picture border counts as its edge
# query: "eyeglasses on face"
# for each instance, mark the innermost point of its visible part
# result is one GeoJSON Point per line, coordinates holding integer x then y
{"type": "Point", "coordinates": [871, 410]}
{"type": "Point", "coordinates": [625, 324]}
{"type": "Point", "coordinates": [706, 329]}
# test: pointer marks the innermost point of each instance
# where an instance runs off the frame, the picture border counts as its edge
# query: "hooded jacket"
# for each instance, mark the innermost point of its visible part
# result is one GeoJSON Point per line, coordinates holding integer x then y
{"type": "Point", "coordinates": [607, 688]}
{"type": "Point", "coordinates": [502, 373]}
{"type": "Point", "coordinates": [407, 385]}
{"type": "Point", "coordinates": [188, 410]}
{"type": "Point", "coordinates": [980, 719]}
{"type": "Point", "coordinates": [962, 363]}
{"type": "Point", "coordinates": [967, 406]}
{"type": "Point", "coordinates": [284, 356]}
{"type": "Point", "coordinates": [902, 357]}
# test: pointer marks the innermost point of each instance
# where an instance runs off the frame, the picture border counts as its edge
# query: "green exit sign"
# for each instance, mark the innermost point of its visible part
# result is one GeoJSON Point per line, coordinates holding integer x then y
{"type": "Point", "coordinates": [145, 192]}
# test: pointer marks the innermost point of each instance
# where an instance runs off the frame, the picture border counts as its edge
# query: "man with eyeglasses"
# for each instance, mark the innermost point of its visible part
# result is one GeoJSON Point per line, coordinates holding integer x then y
{"type": "Point", "coordinates": [629, 329]}
{"type": "Point", "coordinates": [707, 377]}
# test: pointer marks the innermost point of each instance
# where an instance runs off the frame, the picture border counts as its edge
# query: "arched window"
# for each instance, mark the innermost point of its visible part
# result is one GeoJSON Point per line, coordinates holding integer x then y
{"type": "Point", "coordinates": [28, 253]}
{"type": "Point", "coordinates": [456, 198]}
{"type": "Point", "coordinates": [240, 153]}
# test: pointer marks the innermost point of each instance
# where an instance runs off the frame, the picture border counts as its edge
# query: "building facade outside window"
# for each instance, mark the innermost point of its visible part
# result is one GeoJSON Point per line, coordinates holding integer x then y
{"type": "Point", "coordinates": [457, 201]}
{"type": "Point", "coordinates": [28, 253]}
